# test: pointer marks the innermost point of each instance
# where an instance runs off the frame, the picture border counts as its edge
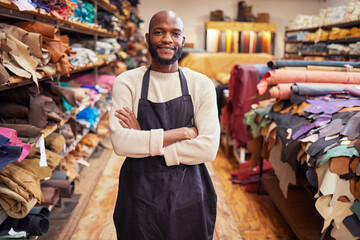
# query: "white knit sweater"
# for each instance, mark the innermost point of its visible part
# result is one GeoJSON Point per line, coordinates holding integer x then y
{"type": "Point", "coordinates": [163, 87]}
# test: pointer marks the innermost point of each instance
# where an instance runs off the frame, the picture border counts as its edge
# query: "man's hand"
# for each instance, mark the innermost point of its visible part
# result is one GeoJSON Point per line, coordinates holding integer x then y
{"type": "Point", "coordinates": [127, 118]}
{"type": "Point", "coordinates": [191, 132]}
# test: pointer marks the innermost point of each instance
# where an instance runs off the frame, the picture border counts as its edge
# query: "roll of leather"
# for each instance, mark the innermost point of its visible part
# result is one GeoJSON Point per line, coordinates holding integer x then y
{"type": "Point", "coordinates": [281, 91]}
{"type": "Point", "coordinates": [51, 196]}
{"type": "Point", "coordinates": [296, 76]}
{"type": "Point", "coordinates": [275, 64]}
{"type": "Point", "coordinates": [66, 188]}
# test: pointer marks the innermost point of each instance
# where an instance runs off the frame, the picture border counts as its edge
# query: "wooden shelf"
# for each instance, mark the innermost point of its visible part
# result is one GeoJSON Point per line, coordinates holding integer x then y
{"type": "Point", "coordinates": [11, 11]}
{"type": "Point", "coordinates": [29, 81]}
{"type": "Point", "coordinates": [340, 24]}
{"type": "Point", "coordinates": [241, 26]}
{"type": "Point", "coordinates": [298, 209]}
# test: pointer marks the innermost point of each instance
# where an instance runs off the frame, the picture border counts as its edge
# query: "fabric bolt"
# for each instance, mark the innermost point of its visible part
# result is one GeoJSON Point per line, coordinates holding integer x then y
{"type": "Point", "coordinates": [9, 109]}
{"type": "Point", "coordinates": [280, 91]}
{"type": "Point", "coordinates": [14, 141]}
{"type": "Point", "coordinates": [353, 224]}
{"type": "Point", "coordinates": [275, 64]}
{"type": "Point", "coordinates": [66, 188]}
{"type": "Point", "coordinates": [51, 196]}
{"type": "Point", "coordinates": [311, 89]}
{"type": "Point", "coordinates": [8, 154]}
{"type": "Point", "coordinates": [55, 142]}
{"type": "Point", "coordinates": [14, 204]}
{"type": "Point", "coordinates": [24, 130]}
{"type": "Point", "coordinates": [33, 165]}
{"type": "Point", "coordinates": [296, 76]}
{"type": "Point", "coordinates": [23, 178]}
{"type": "Point", "coordinates": [338, 212]}
{"type": "Point", "coordinates": [36, 223]}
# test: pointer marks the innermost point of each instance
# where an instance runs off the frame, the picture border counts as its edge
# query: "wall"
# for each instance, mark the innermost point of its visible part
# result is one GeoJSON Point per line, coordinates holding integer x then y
{"type": "Point", "coordinates": [195, 13]}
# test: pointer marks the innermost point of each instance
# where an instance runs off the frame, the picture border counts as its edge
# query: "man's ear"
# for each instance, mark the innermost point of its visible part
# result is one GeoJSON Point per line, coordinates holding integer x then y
{"type": "Point", "coordinates": [183, 41]}
{"type": "Point", "coordinates": [147, 38]}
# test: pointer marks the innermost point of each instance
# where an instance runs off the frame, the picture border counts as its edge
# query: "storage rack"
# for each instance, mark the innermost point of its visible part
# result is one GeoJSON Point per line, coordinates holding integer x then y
{"type": "Point", "coordinates": [10, 11]}
{"type": "Point", "coordinates": [291, 54]}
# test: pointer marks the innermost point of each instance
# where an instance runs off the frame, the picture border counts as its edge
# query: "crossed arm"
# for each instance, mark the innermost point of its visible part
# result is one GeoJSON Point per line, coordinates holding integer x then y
{"type": "Point", "coordinates": [128, 120]}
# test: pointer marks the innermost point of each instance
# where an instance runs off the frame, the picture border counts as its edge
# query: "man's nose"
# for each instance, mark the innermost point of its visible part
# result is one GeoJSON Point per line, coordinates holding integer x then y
{"type": "Point", "coordinates": [167, 37]}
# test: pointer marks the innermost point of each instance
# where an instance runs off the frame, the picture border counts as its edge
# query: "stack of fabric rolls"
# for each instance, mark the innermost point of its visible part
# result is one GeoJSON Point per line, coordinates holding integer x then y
{"type": "Point", "coordinates": [313, 125]}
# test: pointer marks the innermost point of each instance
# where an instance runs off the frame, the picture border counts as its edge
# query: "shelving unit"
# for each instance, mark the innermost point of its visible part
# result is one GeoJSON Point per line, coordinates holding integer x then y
{"type": "Point", "coordinates": [9, 11]}
{"type": "Point", "coordinates": [222, 30]}
{"type": "Point", "coordinates": [326, 55]}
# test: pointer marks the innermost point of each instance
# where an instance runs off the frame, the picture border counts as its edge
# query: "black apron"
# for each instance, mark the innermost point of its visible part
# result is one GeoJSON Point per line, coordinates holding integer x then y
{"type": "Point", "coordinates": [156, 201]}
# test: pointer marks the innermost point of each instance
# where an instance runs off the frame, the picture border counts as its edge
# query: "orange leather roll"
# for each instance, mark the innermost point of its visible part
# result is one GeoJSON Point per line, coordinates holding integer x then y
{"type": "Point", "coordinates": [297, 76]}
{"type": "Point", "coordinates": [281, 91]}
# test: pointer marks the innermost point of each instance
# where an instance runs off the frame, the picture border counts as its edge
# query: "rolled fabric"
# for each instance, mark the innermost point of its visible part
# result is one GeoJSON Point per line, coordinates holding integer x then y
{"type": "Point", "coordinates": [51, 196]}
{"type": "Point", "coordinates": [295, 76]}
{"type": "Point", "coordinates": [65, 187]}
{"type": "Point", "coordinates": [308, 89]}
{"type": "Point", "coordinates": [24, 130]}
{"type": "Point", "coordinates": [275, 64]}
{"type": "Point", "coordinates": [281, 91]}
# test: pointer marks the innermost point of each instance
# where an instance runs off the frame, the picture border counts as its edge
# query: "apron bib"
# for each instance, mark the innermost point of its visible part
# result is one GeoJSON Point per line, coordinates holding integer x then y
{"type": "Point", "coordinates": [156, 201]}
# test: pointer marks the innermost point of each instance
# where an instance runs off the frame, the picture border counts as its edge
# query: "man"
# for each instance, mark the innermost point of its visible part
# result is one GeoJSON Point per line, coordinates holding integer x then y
{"type": "Point", "coordinates": [164, 120]}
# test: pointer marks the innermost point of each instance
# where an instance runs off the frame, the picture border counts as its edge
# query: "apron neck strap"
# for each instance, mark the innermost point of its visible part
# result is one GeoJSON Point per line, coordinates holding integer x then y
{"type": "Point", "coordinates": [146, 80]}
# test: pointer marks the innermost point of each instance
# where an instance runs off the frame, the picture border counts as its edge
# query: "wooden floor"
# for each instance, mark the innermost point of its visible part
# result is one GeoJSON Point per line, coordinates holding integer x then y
{"type": "Point", "coordinates": [241, 215]}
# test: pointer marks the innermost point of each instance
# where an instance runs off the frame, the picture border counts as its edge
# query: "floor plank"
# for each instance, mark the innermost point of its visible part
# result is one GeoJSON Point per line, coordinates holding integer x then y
{"type": "Point", "coordinates": [98, 213]}
{"type": "Point", "coordinates": [256, 215]}
{"type": "Point", "coordinates": [240, 215]}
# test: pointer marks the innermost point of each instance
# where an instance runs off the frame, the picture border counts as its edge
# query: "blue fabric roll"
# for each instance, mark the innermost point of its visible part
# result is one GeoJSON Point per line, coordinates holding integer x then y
{"type": "Point", "coordinates": [275, 64]}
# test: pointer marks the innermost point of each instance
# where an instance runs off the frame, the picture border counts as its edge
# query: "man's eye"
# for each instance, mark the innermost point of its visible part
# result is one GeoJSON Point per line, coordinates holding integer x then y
{"type": "Point", "coordinates": [176, 34]}
{"type": "Point", "coordinates": [157, 32]}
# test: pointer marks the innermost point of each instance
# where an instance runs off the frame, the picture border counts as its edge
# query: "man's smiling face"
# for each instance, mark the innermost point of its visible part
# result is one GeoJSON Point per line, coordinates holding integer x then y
{"type": "Point", "coordinates": [165, 38]}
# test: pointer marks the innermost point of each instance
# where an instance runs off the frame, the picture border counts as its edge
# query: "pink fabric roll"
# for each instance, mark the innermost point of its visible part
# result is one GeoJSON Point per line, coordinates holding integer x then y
{"type": "Point", "coordinates": [300, 76]}
{"type": "Point", "coordinates": [281, 91]}
{"type": "Point", "coordinates": [14, 141]}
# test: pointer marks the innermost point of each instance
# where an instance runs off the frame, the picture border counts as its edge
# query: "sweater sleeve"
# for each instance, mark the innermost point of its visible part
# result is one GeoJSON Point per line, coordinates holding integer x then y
{"type": "Point", "coordinates": [204, 147]}
{"type": "Point", "coordinates": [130, 142]}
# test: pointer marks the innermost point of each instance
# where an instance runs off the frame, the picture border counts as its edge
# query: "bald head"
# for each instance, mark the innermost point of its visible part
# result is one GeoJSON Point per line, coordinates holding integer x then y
{"type": "Point", "coordinates": [166, 16]}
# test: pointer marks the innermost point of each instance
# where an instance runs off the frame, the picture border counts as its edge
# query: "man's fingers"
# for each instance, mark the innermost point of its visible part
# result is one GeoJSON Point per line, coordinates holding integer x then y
{"type": "Point", "coordinates": [132, 115]}
{"type": "Point", "coordinates": [123, 124]}
{"type": "Point", "coordinates": [123, 118]}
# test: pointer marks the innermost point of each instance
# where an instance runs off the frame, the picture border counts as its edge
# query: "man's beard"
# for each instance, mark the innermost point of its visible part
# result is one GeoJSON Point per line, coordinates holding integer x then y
{"type": "Point", "coordinates": [164, 61]}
